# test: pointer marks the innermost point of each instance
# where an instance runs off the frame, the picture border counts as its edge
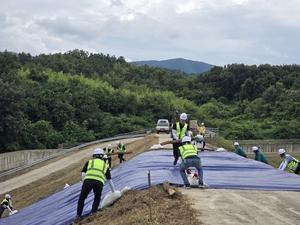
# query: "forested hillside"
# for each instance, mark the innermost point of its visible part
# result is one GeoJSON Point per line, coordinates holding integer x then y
{"type": "Point", "coordinates": [77, 97]}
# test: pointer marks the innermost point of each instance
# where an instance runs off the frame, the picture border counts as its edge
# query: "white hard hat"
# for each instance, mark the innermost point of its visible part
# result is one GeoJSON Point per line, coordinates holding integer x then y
{"type": "Point", "coordinates": [281, 151]}
{"type": "Point", "coordinates": [186, 139]}
{"type": "Point", "coordinates": [109, 145]}
{"type": "Point", "coordinates": [236, 143]}
{"type": "Point", "coordinates": [105, 157]}
{"type": "Point", "coordinates": [183, 116]}
{"type": "Point", "coordinates": [254, 148]}
{"type": "Point", "coordinates": [7, 196]}
{"type": "Point", "coordinates": [202, 124]}
{"type": "Point", "coordinates": [117, 143]}
{"type": "Point", "coordinates": [98, 151]}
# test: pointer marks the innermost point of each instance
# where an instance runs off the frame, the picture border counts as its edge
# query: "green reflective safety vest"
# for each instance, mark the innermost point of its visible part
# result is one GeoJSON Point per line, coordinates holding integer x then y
{"type": "Point", "coordinates": [5, 203]}
{"type": "Point", "coordinates": [109, 151]}
{"type": "Point", "coordinates": [96, 170]}
{"type": "Point", "coordinates": [121, 148]}
{"type": "Point", "coordinates": [188, 150]}
{"type": "Point", "coordinates": [292, 166]}
{"type": "Point", "coordinates": [181, 133]}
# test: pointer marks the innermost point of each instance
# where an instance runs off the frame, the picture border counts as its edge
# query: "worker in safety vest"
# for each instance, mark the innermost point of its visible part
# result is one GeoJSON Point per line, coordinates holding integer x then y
{"type": "Point", "coordinates": [179, 130]}
{"type": "Point", "coordinates": [93, 173]}
{"type": "Point", "coordinates": [121, 149]}
{"type": "Point", "coordinates": [201, 130]}
{"type": "Point", "coordinates": [189, 154]}
{"type": "Point", "coordinates": [108, 150]}
{"type": "Point", "coordinates": [6, 204]}
{"type": "Point", "coordinates": [289, 161]}
{"type": "Point", "coordinates": [259, 156]}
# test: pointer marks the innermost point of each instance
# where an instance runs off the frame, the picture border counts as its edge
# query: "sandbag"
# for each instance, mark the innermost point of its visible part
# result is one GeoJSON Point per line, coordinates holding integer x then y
{"type": "Point", "coordinates": [110, 198]}
{"type": "Point", "coordinates": [125, 189]}
{"type": "Point", "coordinates": [13, 212]}
{"type": "Point", "coordinates": [193, 178]}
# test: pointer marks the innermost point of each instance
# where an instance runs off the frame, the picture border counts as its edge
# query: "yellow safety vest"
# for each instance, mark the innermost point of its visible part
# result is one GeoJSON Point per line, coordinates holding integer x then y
{"type": "Point", "coordinates": [4, 203]}
{"type": "Point", "coordinates": [292, 166]}
{"type": "Point", "coordinates": [96, 170]}
{"type": "Point", "coordinates": [181, 133]}
{"type": "Point", "coordinates": [188, 150]}
{"type": "Point", "coordinates": [202, 130]}
{"type": "Point", "coordinates": [108, 151]}
{"type": "Point", "coordinates": [121, 148]}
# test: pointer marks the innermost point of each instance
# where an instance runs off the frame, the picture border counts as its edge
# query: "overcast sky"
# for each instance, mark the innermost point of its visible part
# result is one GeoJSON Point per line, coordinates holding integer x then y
{"type": "Point", "coordinates": [217, 32]}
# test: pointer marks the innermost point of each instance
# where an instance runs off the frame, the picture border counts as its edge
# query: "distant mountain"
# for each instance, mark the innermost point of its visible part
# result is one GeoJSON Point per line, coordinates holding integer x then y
{"type": "Point", "coordinates": [187, 66]}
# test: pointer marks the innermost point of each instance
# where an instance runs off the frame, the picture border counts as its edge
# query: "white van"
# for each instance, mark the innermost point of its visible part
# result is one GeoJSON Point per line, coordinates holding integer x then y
{"type": "Point", "coordinates": [163, 126]}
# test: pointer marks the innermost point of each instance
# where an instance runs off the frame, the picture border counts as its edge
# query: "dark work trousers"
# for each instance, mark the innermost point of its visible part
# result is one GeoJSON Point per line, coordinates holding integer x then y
{"type": "Point", "coordinates": [85, 190]}
{"type": "Point", "coordinates": [108, 160]}
{"type": "Point", "coordinates": [120, 156]}
{"type": "Point", "coordinates": [1, 210]}
{"type": "Point", "coordinates": [297, 171]}
{"type": "Point", "coordinates": [176, 152]}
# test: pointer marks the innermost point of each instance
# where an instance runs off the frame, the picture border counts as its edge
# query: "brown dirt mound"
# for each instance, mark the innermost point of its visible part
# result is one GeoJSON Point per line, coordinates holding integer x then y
{"type": "Point", "coordinates": [133, 209]}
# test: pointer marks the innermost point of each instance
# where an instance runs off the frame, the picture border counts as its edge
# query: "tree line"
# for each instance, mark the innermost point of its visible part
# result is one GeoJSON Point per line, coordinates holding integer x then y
{"type": "Point", "coordinates": [73, 97]}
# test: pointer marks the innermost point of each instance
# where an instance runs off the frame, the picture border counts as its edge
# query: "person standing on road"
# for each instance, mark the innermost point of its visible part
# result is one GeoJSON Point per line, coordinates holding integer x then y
{"type": "Point", "coordinates": [239, 150]}
{"type": "Point", "coordinates": [93, 174]}
{"type": "Point", "coordinates": [289, 161]}
{"type": "Point", "coordinates": [6, 204]}
{"type": "Point", "coordinates": [201, 130]}
{"type": "Point", "coordinates": [189, 154]}
{"type": "Point", "coordinates": [108, 150]}
{"type": "Point", "coordinates": [121, 149]}
{"type": "Point", "coordinates": [179, 130]}
{"type": "Point", "coordinates": [259, 156]}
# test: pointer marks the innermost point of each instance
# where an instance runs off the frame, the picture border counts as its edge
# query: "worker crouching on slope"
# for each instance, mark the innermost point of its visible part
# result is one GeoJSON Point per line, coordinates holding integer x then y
{"type": "Point", "coordinates": [189, 154]}
{"type": "Point", "coordinates": [6, 204]}
{"type": "Point", "coordinates": [239, 150]}
{"type": "Point", "coordinates": [179, 130]}
{"type": "Point", "coordinates": [289, 161]}
{"type": "Point", "coordinates": [93, 175]}
{"type": "Point", "coordinates": [121, 149]}
{"type": "Point", "coordinates": [259, 156]}
{"type": "Point", "coordinates": [199, 139]}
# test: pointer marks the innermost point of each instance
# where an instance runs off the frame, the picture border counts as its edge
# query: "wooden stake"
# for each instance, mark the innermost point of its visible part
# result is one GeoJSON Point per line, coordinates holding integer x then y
{"type": "Point", "coordinates": [149, 187]}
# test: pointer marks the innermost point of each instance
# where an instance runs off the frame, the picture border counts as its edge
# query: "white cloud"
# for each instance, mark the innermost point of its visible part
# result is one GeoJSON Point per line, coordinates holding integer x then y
{"type": "Point", "coordinates": [212, 31]}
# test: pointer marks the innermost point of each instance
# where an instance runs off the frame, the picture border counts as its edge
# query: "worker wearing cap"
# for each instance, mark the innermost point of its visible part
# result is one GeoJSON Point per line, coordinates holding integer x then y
{"type": "Point", "coordinates": [121, 149]}
{"type": "Point", "coordinates": [239, 150]}
{"type": "Point", "coordinates": [201, 129]}
{"type": "Point", "coordinates": [108, 151]}
{"type": "Point", "coordinates": [189, 154]}
{"type": "Point", "coordinates": [259, 156]}
{"type": "Point", "coordinates": [6, 204]}
{"type": "Point", "coordinates": [93, 175]}
{"type": "Point", "coordinates": [179, 130]}
{"type": "Point", "coordinates": [289, 161]}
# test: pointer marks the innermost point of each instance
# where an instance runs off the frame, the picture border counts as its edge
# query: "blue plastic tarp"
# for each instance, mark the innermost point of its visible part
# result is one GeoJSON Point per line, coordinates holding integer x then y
{"type": "Point", "coordinates": [221, 170]}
